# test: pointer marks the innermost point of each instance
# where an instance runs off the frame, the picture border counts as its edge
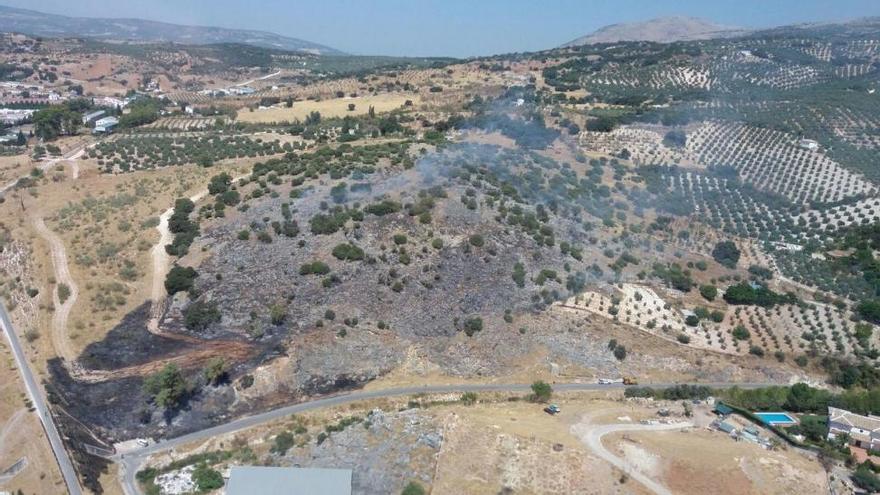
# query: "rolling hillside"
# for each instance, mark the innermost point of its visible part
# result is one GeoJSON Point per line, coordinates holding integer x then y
{"type": "Point", "coordinates": [42, 24]}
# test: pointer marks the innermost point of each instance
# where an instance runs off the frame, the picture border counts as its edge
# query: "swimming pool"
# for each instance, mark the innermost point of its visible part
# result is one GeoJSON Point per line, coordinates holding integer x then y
{"type": "Point", "coordinates": [776, 418]}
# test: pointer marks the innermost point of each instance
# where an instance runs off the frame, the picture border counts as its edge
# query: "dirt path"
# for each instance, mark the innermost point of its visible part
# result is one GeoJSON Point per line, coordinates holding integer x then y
{"type": "Point", "coordinates": [60, 337]}
{"type": "Point", "coordinates": [592, 435]}
{"type": "Point", "coordinates": [9, 427]}
{"type": "Point", "coordinates": [162, 261]}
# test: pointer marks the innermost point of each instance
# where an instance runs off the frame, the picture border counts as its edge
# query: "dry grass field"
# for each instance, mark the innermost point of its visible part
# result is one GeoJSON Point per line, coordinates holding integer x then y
{"type": "Point", "coordinates": [337, 107]}
{"type": "Point", "coordinates": [21, 436]}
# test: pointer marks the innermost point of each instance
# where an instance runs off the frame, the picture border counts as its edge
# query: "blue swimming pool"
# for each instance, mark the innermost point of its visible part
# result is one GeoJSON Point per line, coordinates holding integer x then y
{"type": "Point", "coordinates": [776, 418]}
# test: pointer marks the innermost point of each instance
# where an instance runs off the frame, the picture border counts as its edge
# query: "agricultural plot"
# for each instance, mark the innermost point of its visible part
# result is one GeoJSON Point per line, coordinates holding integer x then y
{"type": "Point", "coordinates": [145, 152]}
{"type": "Point", "coordinates": [643, 146]}
{"type": "Point", "coordinates": [336, 107]}
{"type": "Point", "coordinates": [663, 77]}
{"type": "Point", "coordinates": [787, 329]}
{"type": "Point", "coordinates": [773, 161]}
{"type": "Point", "coordinates": [640, 307]}
{"type": "Point", "coordinates": [791, 329]}
{"type": "Point", "coordinates": [184, 123]}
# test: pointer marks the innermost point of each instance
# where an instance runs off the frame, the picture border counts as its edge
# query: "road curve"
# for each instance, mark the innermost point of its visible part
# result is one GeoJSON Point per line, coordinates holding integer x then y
{"type": "Point", "coordinates": [131, 461]}
{"type": "Point", "coordinates": [592, 437]}
{"type": "Point", "coordinates": [33, 390]}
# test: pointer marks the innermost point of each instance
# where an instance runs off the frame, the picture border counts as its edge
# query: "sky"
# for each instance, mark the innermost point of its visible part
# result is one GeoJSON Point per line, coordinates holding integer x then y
{"type": "Point", "coordinates": [458, 28]}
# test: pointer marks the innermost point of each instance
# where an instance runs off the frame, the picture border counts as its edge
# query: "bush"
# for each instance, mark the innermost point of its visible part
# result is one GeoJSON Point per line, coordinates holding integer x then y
{"type": "Point", "coordinates": [282, 443]}
{"type": "Point", "coordinates": [620, 352]}
{"type": "Point", "coordinates": [726, 253]}
{"type": "Point", "coordinates": [348, 252]}
{"type": "Point", "coordinates": [215, 371]}
{"type": "Point", "coordinates": [684, 339]}
{"type": "Point", "coordinates": [383, 208]}
{"type": "Point", "coordinates": [166, 388]}
{"type": "Point", "coordinates": [473, 325]}
{"type": "Point", "coordinates": [519, 275]}
{"type": "Point", "coordinates": [709, 292]}
{"type": "Point", "coordinates": [413, 488]}
{"type": "Point", "coordinates": [865, 478]}
{"type": "Point", "coordinates": [541, 391]}
{"type": "Point", "coordinates": [692, 320]}
{"type": "Point", "coordinates": [437, 243]}
{"type": "Point", "coordinates": [200, 315]}
{"type": "Point", "coordinates": [179, 279]}
{"type": "Point", "coordinates": [476, 240]}
{"type": "Point", "coordinates": [63, 292]}
{"type": "Point", "coordinates": [399, 239]}
{"type": "Point", "coordinates": [741, 333]}
{"type": "Point", "coordinates": [207, 479]}
{"type": "Point", "coordinates": [314, 268]}
{"type": "Point", "coordinates": [756, 351]}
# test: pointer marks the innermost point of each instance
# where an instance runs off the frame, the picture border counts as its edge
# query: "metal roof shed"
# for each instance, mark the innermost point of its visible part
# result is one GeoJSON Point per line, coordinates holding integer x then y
{"type": "Point", "coordinates": [250, 480]}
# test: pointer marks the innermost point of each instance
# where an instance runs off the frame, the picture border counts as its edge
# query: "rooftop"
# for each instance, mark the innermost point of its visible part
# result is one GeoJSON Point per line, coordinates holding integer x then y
{"type": "Point", "coordinates": [248, 480]}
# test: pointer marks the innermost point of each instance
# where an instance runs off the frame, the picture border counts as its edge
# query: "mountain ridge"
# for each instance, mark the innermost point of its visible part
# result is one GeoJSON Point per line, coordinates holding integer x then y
{"type": "Point", "coordinates": [660, 29]}
{"type": "Point", "coordinates": [37, 23]}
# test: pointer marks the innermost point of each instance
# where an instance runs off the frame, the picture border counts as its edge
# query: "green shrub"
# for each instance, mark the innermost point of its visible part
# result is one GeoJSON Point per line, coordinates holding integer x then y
{"type": "Point", "coordinates": [709, 292]}
{"type": "Point", "coordinates": [741, 333]}
{"type": "Point", "coordinates": [348, 252]}
{"type": "Point", "coordinates": [473, 325]}
{"type": "Point", "coordinates": [314, 268]}
{"type": "Point", "coordinates": [180, 279]}
{"type": "Point", "coordinates": [200, 315]}
{"type": "Point", "coordinates": [541, 391]}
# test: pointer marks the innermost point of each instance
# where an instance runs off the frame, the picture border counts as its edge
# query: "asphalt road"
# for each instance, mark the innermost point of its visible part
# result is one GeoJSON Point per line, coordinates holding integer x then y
{"type": "Point", "coordinates": [131, 461]}
{"type": "Point", "coordinates": [33, 390]}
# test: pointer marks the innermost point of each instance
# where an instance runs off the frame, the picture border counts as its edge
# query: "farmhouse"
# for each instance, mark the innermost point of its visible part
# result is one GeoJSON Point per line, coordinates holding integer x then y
{"type": "Point", "coordinates": [863, 431]}
{"type": "Point", "coordinates": [246, 480]}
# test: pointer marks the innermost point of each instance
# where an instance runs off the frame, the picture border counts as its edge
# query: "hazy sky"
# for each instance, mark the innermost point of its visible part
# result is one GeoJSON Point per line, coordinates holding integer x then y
{"type": "Point", "coordinates": [449, 27]}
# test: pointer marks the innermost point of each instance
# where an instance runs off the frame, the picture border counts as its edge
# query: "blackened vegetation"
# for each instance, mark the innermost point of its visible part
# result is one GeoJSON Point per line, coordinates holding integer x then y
{"type": "Point", "coordinates": [129, 344]}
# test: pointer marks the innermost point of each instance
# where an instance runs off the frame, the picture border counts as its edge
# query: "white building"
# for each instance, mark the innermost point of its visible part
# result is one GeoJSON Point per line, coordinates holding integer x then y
{"type": "Point", "coordinates": [808, 144]}
{"type": "Point", "coordinates": [108, 101]}
{"type": "Point", "coordinates": [105, 125]}
{"type": "Point", "coordinates": [92, 116]}
{"type": "Point", "coordinates": [863, 431]}
{"type": "Point", "coordinates": [15, 115]}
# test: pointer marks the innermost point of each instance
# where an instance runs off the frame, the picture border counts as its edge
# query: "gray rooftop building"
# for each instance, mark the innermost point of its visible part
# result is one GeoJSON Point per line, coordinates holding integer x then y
{"type": "Point", "coordinates": [251, 480]}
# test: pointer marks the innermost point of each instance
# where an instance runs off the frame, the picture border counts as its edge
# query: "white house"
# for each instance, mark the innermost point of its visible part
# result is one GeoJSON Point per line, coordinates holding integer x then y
{"type": "Point", "coordinates": [863, 431]}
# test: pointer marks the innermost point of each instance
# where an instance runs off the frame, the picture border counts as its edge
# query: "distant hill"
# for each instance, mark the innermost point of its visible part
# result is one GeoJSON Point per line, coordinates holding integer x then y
{"type": "Point", "coordinates": [661, 30]}
{"type": "Point", "coordinates": [50, 25]}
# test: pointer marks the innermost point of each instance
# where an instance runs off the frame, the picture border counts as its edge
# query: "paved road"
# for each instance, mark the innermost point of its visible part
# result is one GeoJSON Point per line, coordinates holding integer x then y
{"type": "Point", "coordinates": [67, 470]}
{"type": "Point", "coordinates": [131, 461]}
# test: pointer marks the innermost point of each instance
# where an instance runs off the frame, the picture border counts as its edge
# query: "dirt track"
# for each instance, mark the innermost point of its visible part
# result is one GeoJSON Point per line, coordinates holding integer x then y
{"type": "Point", "coordinates": [60, 337]}
{"type": "Point", "coordinates": [592, 435]}
{"type": "Point", "coordinates": [162, 262]}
